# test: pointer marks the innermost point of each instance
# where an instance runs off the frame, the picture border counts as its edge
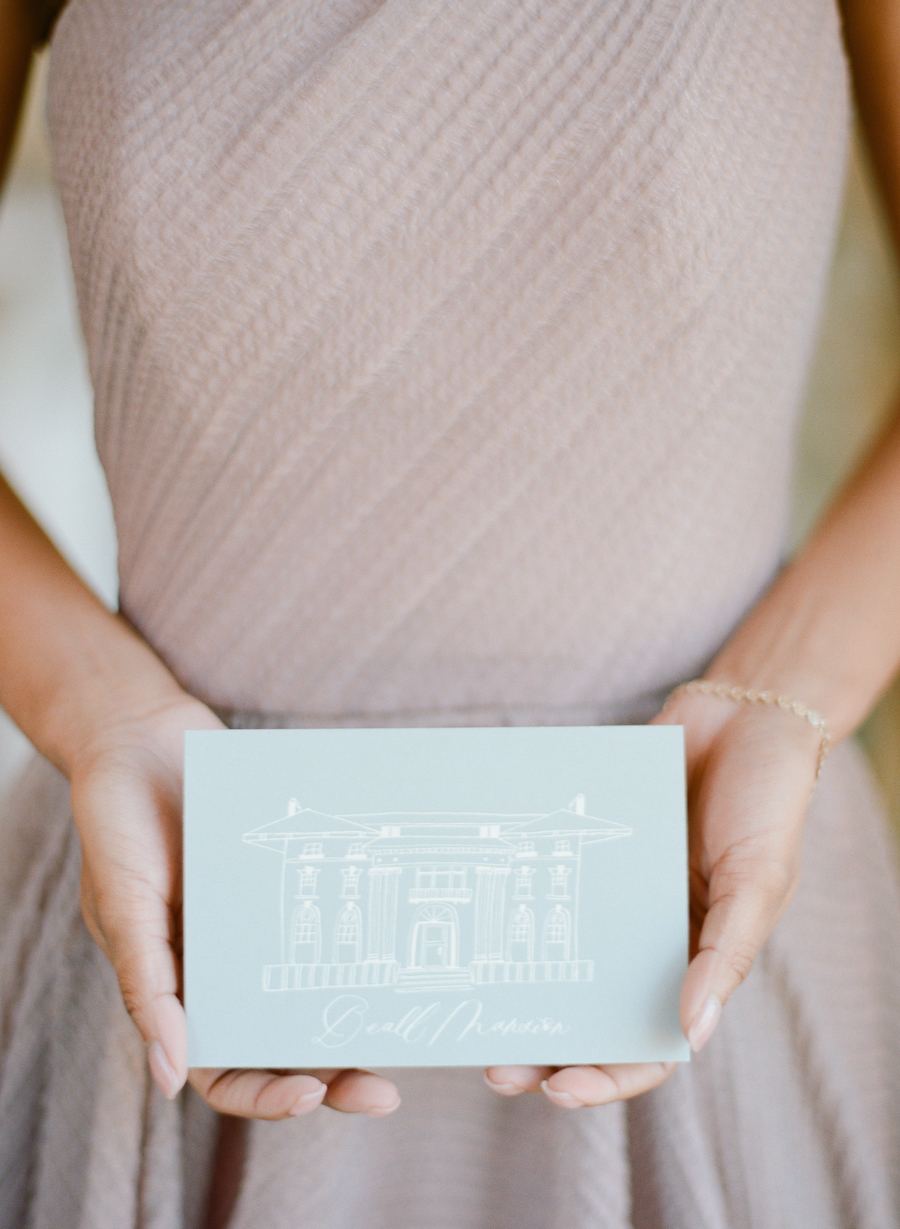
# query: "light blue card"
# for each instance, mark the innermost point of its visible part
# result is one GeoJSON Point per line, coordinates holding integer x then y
{"type": "Point", "coordinates": [449, 897]}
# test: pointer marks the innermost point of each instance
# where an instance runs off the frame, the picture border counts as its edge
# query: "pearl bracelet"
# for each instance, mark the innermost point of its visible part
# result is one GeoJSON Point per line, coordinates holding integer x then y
{"type": "Point", "coordinates": [728, 692]}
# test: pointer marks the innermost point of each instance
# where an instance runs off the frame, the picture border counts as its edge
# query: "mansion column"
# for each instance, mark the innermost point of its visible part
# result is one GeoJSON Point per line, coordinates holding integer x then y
{"type": "Point", "coordinates": [383, 885]}
{"type": "Point", "coordinates": [490, 896]}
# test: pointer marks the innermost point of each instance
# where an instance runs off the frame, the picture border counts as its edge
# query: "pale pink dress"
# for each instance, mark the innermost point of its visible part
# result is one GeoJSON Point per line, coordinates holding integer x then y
{"type": "Point", "coordinates": [447, 358]}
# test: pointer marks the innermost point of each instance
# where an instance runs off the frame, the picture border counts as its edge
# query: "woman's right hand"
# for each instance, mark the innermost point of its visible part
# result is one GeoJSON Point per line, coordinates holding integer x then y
{"type": "Point", "coordinates": [95, 699]}
{"type": "Point", "coordinates": [126, 800]}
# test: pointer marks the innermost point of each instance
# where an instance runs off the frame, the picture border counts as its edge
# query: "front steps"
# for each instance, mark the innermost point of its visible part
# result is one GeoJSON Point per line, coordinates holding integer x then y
{"type": "Point", "coordinates": [412, 980]}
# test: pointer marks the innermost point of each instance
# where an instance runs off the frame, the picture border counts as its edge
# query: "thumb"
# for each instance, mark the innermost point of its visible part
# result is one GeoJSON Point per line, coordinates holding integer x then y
{"type": "Point", "coordinates": [748, 892]}
{"type": "Point", "coordinates": [140, 949]}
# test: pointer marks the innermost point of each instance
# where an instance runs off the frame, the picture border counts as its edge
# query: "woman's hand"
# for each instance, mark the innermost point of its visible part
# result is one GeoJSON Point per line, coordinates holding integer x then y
{"type": "Point", "coordinates": [101, 706]}
{"type": "Point", "coordinates": [126, 799]}
{"type": "Point", "coordinates": [751, 769]}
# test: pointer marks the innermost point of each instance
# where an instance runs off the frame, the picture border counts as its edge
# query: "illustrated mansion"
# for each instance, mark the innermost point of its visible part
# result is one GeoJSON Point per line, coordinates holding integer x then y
{"type": "Point", "coordinates": [429, 901]}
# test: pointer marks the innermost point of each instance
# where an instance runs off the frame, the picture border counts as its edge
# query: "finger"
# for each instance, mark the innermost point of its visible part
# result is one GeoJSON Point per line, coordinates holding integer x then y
{"type": "Point", "coordinates": [137, 941]}
{"type": "Point", "coordinates": [700, 1006]}
{"type": "Point", "coordinates": [748, 891]}
{"type": "Point", "coordinates": [573, 1087]}
{"type": "Point", "coordinates": [148, 979]}
{"type": "Point", "coordinates": [362, 1092]}
{"type": "Point", "coordinates": [258, 1094]}
{"type": "Point", "coordinates": [510, 1081]}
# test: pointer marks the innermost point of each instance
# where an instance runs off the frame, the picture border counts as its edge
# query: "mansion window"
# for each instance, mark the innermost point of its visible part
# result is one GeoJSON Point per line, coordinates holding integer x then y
{"type": "Point", "coordinates": [350, 885]}
{"type": "Point", "coordinates": [520, 939]}
{"type": "Point", "coordinates": [307, 880]}
{"type": "Point", "coordinates": [489, 830]}
{"type": "Point", "coordinates": [356, 850]}
{"type": "Point", "coordinates": [446, 877]}
{"type": "Point", "coordinates": [559, 876]}
{"type": "Point", "coordinates": [522, 890]}
{"type": "Point", "coordinates": [524, 849]}
{"type": "Point", "coordinates": [348, 935]}
{"type": "Point", "coordinates": [562, 848]}
{"type": "Point", "coordinates": [306, 943]}
{"type": "Point", "coordinates": [312, 849]}
{"type": "Point", "coordinates": [555, 939]}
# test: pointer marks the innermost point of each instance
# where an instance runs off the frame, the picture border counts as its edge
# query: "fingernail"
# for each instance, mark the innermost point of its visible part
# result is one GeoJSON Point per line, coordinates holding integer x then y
{"type": "Point", "coordinates": [563, 1099]}
{"type": "Point", "coordinates": [505, 1090]}
{"type": "Point", "coordinates": [382, 1111]}
{"type": "Point", "coordinates": [163, 1071]}
{"type": "Point", "coordinates": [704, 1024]}
{"type": "Point", "coordinates": [303, 1104]}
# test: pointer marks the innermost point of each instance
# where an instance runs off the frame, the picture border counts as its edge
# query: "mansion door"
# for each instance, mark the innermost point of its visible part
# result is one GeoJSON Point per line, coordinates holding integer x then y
{"type": "Point", "coordinates": [435, 944]}
{"type": "Point", "coordinates": [435, 938]}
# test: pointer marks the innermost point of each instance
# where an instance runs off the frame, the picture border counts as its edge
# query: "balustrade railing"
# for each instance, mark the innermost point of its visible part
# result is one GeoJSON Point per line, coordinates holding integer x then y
{"type": "Point", "coordinates": [457, 895]}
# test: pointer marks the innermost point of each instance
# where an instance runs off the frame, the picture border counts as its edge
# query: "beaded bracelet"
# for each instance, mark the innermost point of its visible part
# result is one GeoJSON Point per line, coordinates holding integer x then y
{"type": "Point", "coordinates": [728, 692]}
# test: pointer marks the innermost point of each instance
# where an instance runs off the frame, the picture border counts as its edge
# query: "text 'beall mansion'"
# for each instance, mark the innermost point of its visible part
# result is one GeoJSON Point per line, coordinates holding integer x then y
{"type": "Point", "coordinates": [426, 901]}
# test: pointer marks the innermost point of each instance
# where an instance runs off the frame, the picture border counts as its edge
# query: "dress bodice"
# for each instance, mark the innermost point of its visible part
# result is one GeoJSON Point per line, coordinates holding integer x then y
{"type": "Point", "coordinates": [446, 355]}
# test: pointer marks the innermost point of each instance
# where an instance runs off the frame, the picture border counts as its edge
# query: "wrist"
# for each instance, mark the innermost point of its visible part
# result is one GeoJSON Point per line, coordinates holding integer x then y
{"type": "Point", "coordinates": [69, 668]}
{"type": "Point", "coordinates": [787, 647]}
{"type": "Point", "coordinates": [748, 695]}
{"type": "Point", "coordinates": [791, 685]}
{"type": "Point", "coordinates": [110, 678]}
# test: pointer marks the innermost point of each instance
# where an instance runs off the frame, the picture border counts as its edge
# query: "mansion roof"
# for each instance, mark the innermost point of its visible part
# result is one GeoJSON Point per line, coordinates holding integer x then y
{"type": "Point", "coordinates": [416, 828]}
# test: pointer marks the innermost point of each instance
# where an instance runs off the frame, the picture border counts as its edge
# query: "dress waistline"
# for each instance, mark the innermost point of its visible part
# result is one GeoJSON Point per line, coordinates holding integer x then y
{"type": "Point", "coordinates": [626, 711]}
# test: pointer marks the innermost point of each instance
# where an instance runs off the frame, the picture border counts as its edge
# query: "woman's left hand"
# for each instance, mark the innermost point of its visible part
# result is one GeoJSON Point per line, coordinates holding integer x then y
{"type": "Point", "coordinates": [750, 770]}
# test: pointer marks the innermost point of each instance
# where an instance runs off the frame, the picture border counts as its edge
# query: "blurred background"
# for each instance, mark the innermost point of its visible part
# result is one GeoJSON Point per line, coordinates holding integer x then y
{"type": "Point", "coordinates": [46, 440]}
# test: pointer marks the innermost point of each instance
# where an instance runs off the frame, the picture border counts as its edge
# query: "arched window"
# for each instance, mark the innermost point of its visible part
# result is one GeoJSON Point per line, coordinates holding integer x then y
{"type": "Point", "coordinates": [306, 938]}
{"type": "Point", "coordinates": [555, 939]}
{"type": "Point", "coordinates": [348, 935]}
{"type": "Point", "coordinates": [520, 938]}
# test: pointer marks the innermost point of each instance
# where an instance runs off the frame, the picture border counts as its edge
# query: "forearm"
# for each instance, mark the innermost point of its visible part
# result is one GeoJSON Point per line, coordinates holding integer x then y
{"type": "Point", "coordinates": [16, 41]}
{"type": "Point", "coordinates": [68, 667]}
{"type": "Point", "coordinates": [828, 630]}
{"type": "Point", "coordinates": [872, 38]}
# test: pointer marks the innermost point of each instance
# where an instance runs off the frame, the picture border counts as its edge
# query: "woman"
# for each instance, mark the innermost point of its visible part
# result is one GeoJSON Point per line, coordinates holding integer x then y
{"type": "Point", "coordinates": [446, 361]}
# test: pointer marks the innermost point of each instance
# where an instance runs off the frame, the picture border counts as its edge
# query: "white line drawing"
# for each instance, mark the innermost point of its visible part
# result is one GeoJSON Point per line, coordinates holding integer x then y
{"type": "Point", "coordinates": [425, 901]}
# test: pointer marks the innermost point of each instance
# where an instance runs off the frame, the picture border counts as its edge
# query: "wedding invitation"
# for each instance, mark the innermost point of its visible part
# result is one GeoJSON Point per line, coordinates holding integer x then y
{"type": "Point", "coordinates": [434, 897]}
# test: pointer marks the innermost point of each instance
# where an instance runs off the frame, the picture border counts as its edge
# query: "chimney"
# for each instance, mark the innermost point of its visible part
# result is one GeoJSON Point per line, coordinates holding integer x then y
{"type": "Point", "coordinates": [294, 807]}
{"type": "Point", "coordinates": [577, 804]}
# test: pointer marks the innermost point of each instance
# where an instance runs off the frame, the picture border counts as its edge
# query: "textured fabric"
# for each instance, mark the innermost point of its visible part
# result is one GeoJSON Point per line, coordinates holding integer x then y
{"type": "Point", "coordinates": [447, 359]}
{"type": "Point", "coordinates": [426, 336]}
{"type": "Point", "coordinates": [790, 1117]}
